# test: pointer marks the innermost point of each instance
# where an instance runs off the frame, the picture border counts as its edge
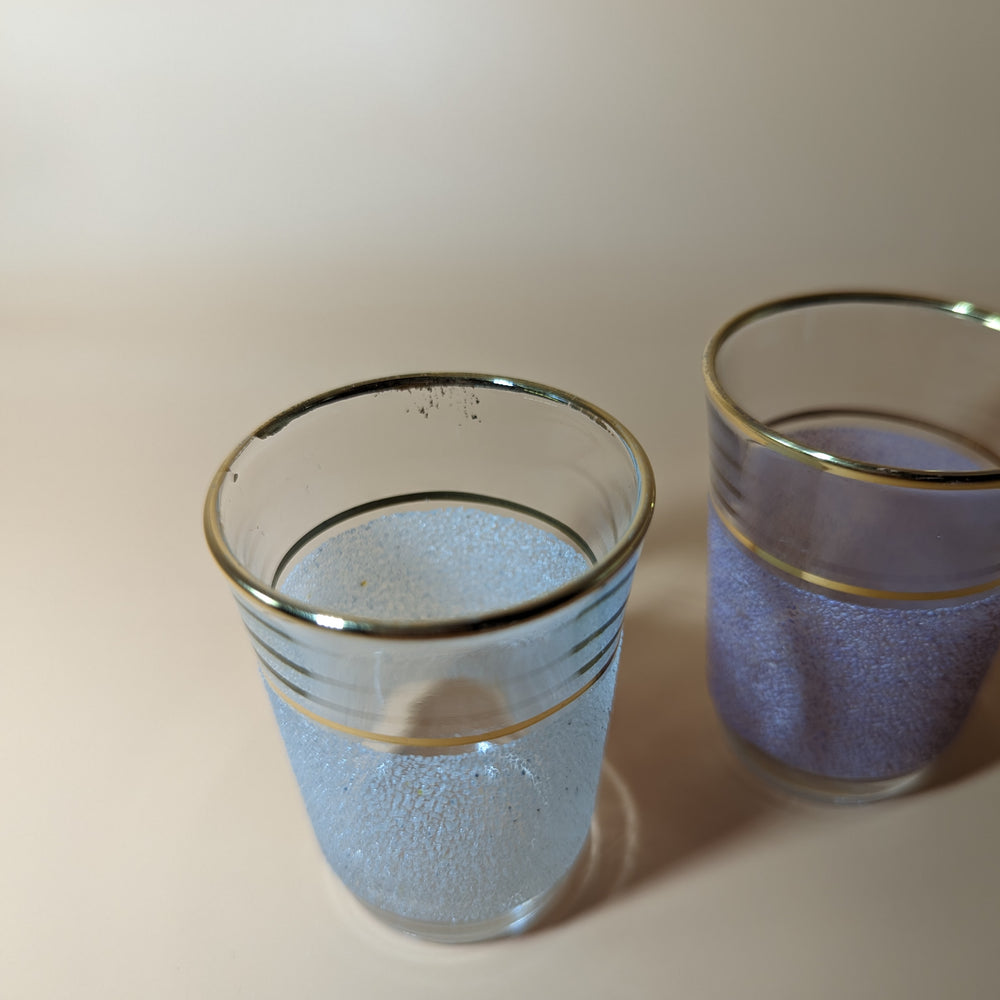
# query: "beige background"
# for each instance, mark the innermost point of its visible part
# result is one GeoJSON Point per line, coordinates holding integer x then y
{"type": "Point", "coordinates": [209, 210]}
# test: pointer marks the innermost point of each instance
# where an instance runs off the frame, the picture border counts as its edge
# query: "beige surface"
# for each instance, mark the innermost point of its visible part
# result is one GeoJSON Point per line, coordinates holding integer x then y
{"type": "Point", "coordinates": [211, 210]}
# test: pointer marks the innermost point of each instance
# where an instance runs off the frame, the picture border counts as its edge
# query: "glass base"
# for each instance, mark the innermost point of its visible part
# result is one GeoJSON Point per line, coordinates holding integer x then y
{"type": "Point", "coordinates": [817, 787]}
{"type": "Point", "coordinates": [515, 921]}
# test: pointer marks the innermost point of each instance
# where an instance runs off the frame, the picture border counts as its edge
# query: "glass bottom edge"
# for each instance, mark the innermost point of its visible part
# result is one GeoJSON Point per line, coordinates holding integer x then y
{"type": "Point", "coordinates": [515, 921]}
{"type": "Point", "coordinates": [818, 787]}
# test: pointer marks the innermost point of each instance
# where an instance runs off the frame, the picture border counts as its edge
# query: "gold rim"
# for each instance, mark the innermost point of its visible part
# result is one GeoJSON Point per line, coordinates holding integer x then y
{"type": "Point", "coordinates": [848, 468]}
{"type": "Point", "coordinates": [600, 573]}
{"type": "Point", "coordinates": [828, 583]}
{"type": "Point", "coordinates": [445, 741]}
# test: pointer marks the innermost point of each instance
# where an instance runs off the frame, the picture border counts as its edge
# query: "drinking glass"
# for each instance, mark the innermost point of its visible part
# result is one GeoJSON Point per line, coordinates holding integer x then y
{"type": "Point", "coordinates": [433, 571]}
{"type": "Point", "coordinates": [854, 535]}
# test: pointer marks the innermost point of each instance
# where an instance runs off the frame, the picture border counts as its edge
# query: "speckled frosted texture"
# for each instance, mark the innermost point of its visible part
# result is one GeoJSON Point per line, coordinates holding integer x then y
{"type": "Point", "coordinates": [461, 837]}
{"type": "Point", "coordinates": [839, 689]}
{"type": "Point", "coordinates": [842, 688]}
{"type": "Point", "coordinates": [465, 834]}
{"type": "Point", "coordinates": [437, 564]}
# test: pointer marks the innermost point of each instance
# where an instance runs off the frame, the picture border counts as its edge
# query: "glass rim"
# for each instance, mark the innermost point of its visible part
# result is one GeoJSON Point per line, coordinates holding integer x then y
{"type": "Point", "coordinates": [839, 465]}
{"type": "Point", "coordinates": [603, 570]}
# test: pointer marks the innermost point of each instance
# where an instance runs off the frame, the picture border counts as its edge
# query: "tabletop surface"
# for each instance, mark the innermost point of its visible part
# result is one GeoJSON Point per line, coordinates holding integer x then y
{"type": "Point", "coordinates": [210, 212]}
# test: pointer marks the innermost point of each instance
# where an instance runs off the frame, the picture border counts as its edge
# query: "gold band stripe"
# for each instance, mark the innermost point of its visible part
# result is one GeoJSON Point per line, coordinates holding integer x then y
{"type": "Point", "coordinates": [986, 479]}
{"type": "Point", "coordinates": [837, 585]}
{"type": "Point", "coordinates": [438, 741]}
{"type": "Point", "coordinates": [265, 649]}
{"type": "Point", "coordinates": [765, 435]}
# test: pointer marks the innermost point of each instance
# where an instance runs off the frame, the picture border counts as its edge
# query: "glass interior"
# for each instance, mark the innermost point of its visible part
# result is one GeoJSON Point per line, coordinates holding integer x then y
{"type": "Point", "coordinates": [345, 458]}
{"type": "Point", "coordinates": [917, 361]}
{"type": "Point", "coordinates": [854, 439]}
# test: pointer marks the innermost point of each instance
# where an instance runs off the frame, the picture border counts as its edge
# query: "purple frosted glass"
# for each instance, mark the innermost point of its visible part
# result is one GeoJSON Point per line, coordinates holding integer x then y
{"type": "Point", "coordinates": [839, 689]}
{"type": "Point", "coordinates": [849, 689]}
